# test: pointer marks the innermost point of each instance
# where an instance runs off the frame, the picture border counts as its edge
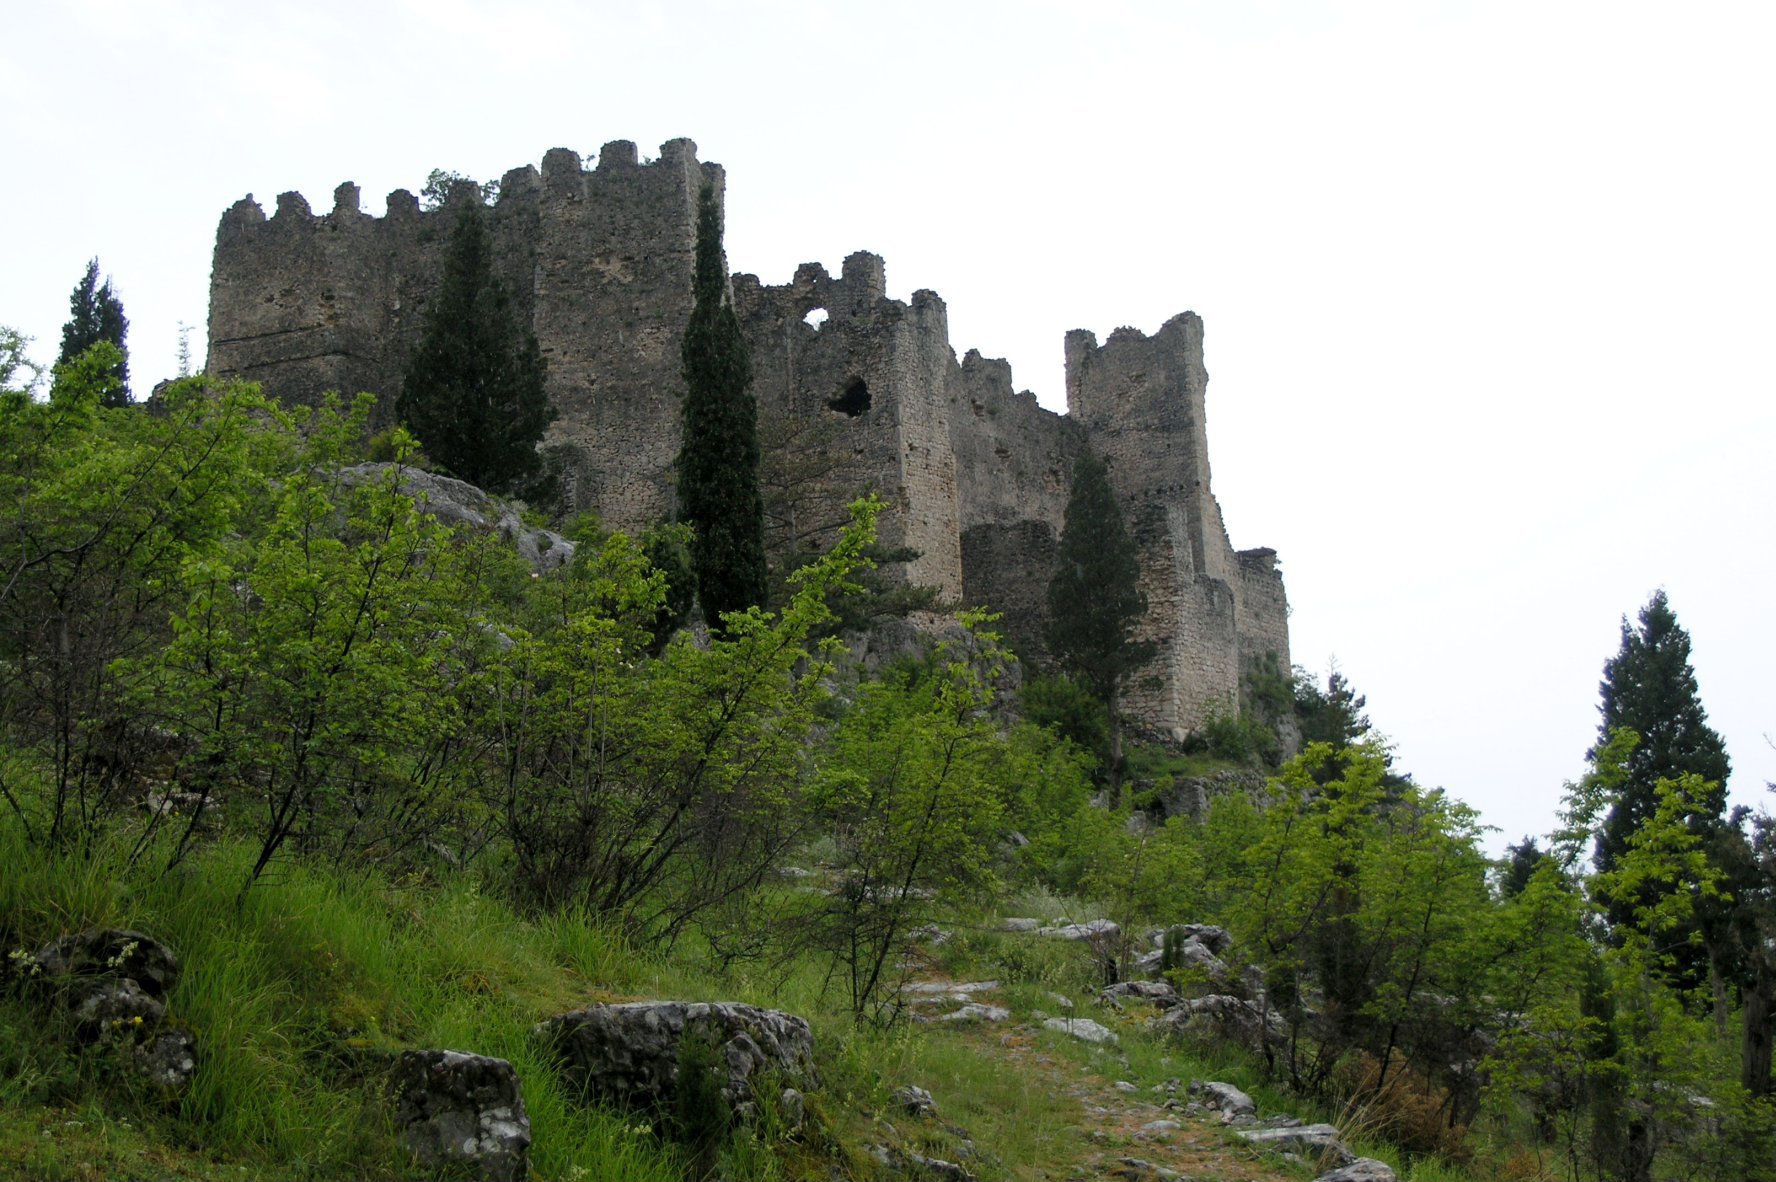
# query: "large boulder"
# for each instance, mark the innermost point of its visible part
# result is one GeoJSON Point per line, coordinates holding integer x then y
{"type": "Point", "coordinates": [109, 954]}
{"type": "Point", "coordinates": [456, 502]}
{"type": "Point", "coordinates": [1095, 931]}
{"type": "Point", "coordinates": [1221, 1016]}
{"type": "Point", "coordinates": [1225, 1099]}
{"type": "Point", "coordinates": [629, 1053]}
{"type": "Point", "coordinates": [1083, 1029]}
{"type": "Point", "coordinates": [1315, 1142]}
{"type": "Point", "coordinates": [168, 1061]}
{"type": "Point", "coordinates": [1158, 992]}
{"type": "Point", "coordinates": [462, 1111]}
{"type": "Point", "coordinates": [115, 1009]}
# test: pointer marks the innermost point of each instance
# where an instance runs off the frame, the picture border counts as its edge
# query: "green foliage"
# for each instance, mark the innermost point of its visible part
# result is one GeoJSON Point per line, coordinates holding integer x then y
{"type": "Point", "coordinates": [442, 183]}
{"type": "Point", "coordinates": [914, 792]}
{"type": "Point", "coordinates": [668, 550]}
{"type": "Point", "coordinates": [1333, 715]}
{"type": "Point", "coordinates": [1228, 733]}
{"type": "Point", "coordinates": [473, 393]}
{"type": "Point", "coordinates": [95, 314]}
{"type": "Point", "coordinates": [1649, 688]}
{"type": "Point", "coordinates": [102, 514]}
{"type": "Point", "coordinates": [652, 790]}
{"type": "Point", "coordinates": [718, 458]}
{"type": "Point", "coordinates": [17, 373]}
{"type": "Point", "coordinates": [1067, 708]}
{"type": "Point", "coordinates": [701, 1114]}
{"type": "Point", "coordinates": [1094, 601]}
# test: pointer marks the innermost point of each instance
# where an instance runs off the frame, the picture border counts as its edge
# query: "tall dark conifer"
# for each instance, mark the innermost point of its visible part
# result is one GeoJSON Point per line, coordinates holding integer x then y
{"type": "Point", "coordinates": [718, 458]}
{"type": "Point", "coordinates": [473, 393]}
{"type": "Point", "coordinates": [1094, 599]}
{"type": "Point", "coordinates": [96, 314]}
{"type": "Point", "coordinates": [1649, 687]}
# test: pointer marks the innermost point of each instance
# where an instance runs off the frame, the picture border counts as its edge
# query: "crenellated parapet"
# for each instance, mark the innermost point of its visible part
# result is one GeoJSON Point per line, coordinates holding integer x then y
{"type": "Point", "coordinates": [599, 262]}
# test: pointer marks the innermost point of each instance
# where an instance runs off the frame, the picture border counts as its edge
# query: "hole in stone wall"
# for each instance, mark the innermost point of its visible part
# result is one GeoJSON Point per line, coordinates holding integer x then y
{"type": "Point", "coordinates": [815, 318]}
{"type": "Point", "coordinates": [854, 401]}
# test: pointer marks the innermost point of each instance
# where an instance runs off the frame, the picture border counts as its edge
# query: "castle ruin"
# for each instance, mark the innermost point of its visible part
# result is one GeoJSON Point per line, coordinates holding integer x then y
{"type": "Point", "coordinates": [599, 263]}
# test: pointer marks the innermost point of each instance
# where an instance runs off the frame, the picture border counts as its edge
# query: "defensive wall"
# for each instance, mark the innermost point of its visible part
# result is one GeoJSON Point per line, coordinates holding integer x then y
{"type": "Point", "coordinates": [599, 262]}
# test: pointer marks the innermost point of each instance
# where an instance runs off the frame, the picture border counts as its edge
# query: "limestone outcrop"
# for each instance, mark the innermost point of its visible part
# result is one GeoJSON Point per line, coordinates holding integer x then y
{"type": "Point", "coordinates": [629, 1053]}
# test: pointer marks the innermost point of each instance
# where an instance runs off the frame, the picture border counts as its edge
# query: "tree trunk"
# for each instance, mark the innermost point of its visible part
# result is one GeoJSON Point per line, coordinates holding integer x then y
{"type": "Point", "coordinates": [1115, 718]}
{"type": "Point", "coordinates": [1754, 1065]}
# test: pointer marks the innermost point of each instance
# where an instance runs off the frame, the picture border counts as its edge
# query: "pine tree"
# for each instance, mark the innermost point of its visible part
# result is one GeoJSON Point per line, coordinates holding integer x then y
{"type": "Point", "coordinates": [96, 314]}
{"type": "Point", "coordinates": [718, 458]}
{"type": "Point", "coordinates": [473, 393]}
{"type": "Point", "coordinates": [1094, 599]}
{"type": "Point", "coordinates": [1649, 688]}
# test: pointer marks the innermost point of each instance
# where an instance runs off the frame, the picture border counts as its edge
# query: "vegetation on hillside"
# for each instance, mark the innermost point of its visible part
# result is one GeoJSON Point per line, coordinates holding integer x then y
{"type": "Point", "coordinates": [382, 786]}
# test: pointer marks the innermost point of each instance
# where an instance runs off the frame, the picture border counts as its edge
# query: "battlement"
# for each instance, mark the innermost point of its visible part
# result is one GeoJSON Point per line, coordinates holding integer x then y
{"type": "Point", "coordinates": [599, 263]}
{"type": "Point", "coordinates": [562, 175]}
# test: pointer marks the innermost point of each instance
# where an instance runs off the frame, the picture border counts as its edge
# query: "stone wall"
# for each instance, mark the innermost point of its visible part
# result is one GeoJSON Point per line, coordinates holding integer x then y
{"type": "Point", "coordinates": [977, 474]}
{"type": "Point", "coordinates": [598, 263]}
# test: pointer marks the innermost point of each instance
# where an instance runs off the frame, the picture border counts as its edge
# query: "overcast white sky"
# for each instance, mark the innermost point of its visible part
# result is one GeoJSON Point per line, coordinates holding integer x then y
{"type": "Point", "coordinates": [1489, 288]}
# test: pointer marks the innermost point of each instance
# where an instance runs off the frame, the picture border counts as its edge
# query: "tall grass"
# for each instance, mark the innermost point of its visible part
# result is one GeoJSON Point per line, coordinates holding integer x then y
{"type": "Point", "coordinates": [298, 993]}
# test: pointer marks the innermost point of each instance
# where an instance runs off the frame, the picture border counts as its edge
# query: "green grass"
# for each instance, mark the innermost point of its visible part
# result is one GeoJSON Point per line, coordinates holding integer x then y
{"type": "Point", "coordinates": [299, 992]}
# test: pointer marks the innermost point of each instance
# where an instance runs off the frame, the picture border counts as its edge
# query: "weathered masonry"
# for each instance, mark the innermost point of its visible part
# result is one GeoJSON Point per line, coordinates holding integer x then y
{"type": "Point", "coordinates": [599, 262]}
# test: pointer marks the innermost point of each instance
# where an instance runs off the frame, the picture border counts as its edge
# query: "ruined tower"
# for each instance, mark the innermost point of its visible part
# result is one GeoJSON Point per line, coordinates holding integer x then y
{"type": "Point", "coordinates": [977, 474]}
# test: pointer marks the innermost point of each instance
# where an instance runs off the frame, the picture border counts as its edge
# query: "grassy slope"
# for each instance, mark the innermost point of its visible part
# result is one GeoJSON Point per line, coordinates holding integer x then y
{"type": "Point", "coordinates": [295, 994]}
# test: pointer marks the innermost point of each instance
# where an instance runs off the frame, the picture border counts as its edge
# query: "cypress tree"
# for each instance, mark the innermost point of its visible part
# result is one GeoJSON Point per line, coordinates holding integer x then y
{"type": "Point", "coordinates": [473, 393]}
{"type": "Point", "coordinates": [1094, 599]}
{"type": "Point", "coordinates": [718, 458]}
{"type": "Point", "coordinates": [96, 314]}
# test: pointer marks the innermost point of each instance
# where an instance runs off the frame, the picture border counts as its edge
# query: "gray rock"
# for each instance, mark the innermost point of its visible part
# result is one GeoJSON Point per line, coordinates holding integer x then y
{"type": "Point", "coordinates": [1061, 1000]}
{"type": "Point", "coordinates": [1158, 1128]}
{"type": "Point", "coordinates": [1096, 930]}
{"type": "Point", "coordinates": [930, 934]}
{"type": "Point", "coordinates": [456, 1109]}
{"type": "Point", "coordinates": [957, 991]}
{"type": "Point", "coordinates": [974, 1011]}
{"type": "Point", "coordinates": [793, 1107]}
{"type": "Point", "coordinates": [1083, 1029]}
{"type": "Point", "coordinates": [167, 1060]}
{"type": "Point", "coordinates": [1222, 1016]}
{"type": "Point", "coordinates": [1021, 924]}
{"type": "Point", "coordinates": [1158, 992]}
{"type": "Point", "coordinates": [629, 1053]}
{"type": "Point", "coordinates": [1123, 1085]}
{"type": "Point", "coordinates": [915, 1100]}
{"type": "Point", "coordinates": [456, 502]}
{"type": "Point", "coordinates": [1363, 1169]}
{"type": "Point", "coordinates": [115, 1010]}
{"type": "Point", "coordinates": [1133, 1169]}
{"type": "Point", "coordinates": [1312, 1141]}
{"type": "Point", "coordinates": [111, 952]}
{"type": "Point", "coordinates": [1226, 1099]}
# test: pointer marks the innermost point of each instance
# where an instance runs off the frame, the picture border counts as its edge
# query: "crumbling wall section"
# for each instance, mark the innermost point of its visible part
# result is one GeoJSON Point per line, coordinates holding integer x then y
{"type": "Point", "coordinates": [869, 380]}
